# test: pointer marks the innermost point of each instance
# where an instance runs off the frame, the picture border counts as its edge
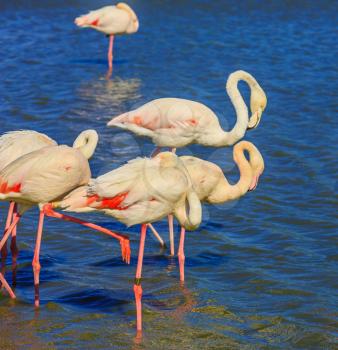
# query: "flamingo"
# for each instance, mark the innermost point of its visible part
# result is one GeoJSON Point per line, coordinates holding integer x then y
{"type": "Point", "coordinates": [175, 122]}
{"type": "Point", "coordinates": [42, 176]}
{"type": "Point", "coordinates": [15, 144]}
{"type": "Point", "coordinates": [212, 187]}
{"type": "Point", "coordinates": [142, 191]}
{"type": "Point", "coordinates": [110, 20]}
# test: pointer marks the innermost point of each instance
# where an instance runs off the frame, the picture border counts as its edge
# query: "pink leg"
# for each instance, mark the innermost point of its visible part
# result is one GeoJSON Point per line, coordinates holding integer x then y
{"type": "Point", "coordinates": [36, 260]}
{"type": "Point", "coordinates": [124, 240]}
{"type": "Point", "coordinates": [4, 251]}
{"type": "Point", "coordinates": [110, 53]}
{"type": "Point", "coordinates": [14, 248]}
{"type": "Point", "coordinates": [16, 219]}
{"type": "Point", "coordinates": [181, 256]}
{"type": "Point", "coordinates": [137, 284]}
{"type": "Point", "coordinates": [171, 234]}
{"type": "Point", "coordinates": [156, 234]}
{"type": "Point", "coordinates": [6, 286]}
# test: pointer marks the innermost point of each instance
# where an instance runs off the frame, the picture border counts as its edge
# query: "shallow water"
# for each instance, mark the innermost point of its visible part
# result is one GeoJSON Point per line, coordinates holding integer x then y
{"type": "Point", "coordinates": [260, 272]}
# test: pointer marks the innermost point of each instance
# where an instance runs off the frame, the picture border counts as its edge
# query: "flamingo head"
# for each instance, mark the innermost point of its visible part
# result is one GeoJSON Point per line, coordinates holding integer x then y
{"type": "Point", "coordinates": [257, 166]}
{"type": "Point", "coordinates": [258, 102]}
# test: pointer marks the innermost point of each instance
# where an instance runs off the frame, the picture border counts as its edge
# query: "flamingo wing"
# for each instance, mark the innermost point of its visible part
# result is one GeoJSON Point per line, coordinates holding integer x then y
{"type": "Point", "coordinates": [44, 175]}
{"type": "Point", "coordinates": [15, 144]}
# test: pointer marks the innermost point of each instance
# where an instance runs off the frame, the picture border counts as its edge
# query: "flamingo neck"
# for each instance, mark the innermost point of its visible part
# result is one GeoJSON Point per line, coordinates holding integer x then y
{"type": "Point", "coordinates": [86, 142]}
{"type": "Point", "coordinates": [224, 191]}
{"type": "Point", "coordinates": [228, 138]}
{"type": "Point", "coordinates": [192, 219]}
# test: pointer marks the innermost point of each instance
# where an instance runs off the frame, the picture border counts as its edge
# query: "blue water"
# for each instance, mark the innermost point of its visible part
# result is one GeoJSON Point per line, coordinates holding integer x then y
{"type": "Point", "coordinates": [261, 271]}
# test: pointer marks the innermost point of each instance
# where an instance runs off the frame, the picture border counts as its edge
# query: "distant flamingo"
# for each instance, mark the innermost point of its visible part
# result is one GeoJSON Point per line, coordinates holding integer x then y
{"type": "Point", "coordinates": [43, 176]}
{"type": "Point", "coordinates": [212, 187]}
{"type": "Point", "coordinates": [175, 122]}
{"type": "Point", "coordinates": [110, 20]}
{"type": "Point", "coordinates": [142, 191]}
{"type": "Point", "coordinates": [15, 144]}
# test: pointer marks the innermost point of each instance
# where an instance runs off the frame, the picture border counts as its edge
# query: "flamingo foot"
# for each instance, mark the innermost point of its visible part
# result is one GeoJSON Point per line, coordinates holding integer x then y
{"type": "Point", "coordinates": [125, 250]}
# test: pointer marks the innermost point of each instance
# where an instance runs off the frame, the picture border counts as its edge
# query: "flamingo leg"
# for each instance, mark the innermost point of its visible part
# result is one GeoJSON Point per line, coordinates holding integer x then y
{"type": "Point", "coordinates": [137, 284]}
{"type": "Point", "coordinates": [171, 234]}
{"type": "Point", "coordinates": [155, 152]}
{"type": "Point", "coordinates": [124, 240]}
{"type": "Point", "coordinates": [4, 251]}
{"type": "Point", "coordinates": [14, 248]}
{"type": "Point", "coordinates": [16, 219]}
{"type": "Point", "coordinates": [171, 224]}
{"type": "Point", "coordinates": [156, 234]}
{"type": "Point", "coordinates": [181, 256]}
{"type": "Point", "coordinates": [110, 53]}
{"type": "Point", "coordinates": [36, 260]}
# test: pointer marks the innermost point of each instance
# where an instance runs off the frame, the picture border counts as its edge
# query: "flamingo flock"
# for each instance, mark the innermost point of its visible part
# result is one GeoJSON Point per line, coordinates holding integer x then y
{"type": "Point", "coordinates": [36, 171]}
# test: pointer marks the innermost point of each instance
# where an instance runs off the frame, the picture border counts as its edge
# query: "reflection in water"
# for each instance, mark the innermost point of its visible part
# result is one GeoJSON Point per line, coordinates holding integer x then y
{"type": "Point", "coordinates": [106, 95]}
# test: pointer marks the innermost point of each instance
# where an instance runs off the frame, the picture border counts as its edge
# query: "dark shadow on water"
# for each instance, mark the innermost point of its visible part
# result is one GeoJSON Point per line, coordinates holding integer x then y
{"type": "Point", "coordinates": [96, 299]}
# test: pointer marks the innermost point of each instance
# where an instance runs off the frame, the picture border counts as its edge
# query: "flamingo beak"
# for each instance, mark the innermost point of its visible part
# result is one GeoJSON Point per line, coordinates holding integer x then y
{"type": "Point", "coordinates": [254, 183]}
{"type": "Point", "coordinates": [255, 119]}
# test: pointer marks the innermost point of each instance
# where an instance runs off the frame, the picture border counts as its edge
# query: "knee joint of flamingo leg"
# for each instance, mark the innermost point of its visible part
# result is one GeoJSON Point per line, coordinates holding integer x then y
{"type": "Point", "coordinates": [181, 256]}
{"type": "Point", "coordinates": [36, 266]}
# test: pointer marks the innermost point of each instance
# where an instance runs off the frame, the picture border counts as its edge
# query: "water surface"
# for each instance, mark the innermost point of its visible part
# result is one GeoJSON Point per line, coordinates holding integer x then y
{"type": "Point", "coordinates": [260, 272]}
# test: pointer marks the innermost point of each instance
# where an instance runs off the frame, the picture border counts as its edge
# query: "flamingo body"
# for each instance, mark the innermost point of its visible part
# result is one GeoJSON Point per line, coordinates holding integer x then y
{"type": "Point", "coordinates": [142, 191]}
{"type": "Point", "coordinates": [110, 20]}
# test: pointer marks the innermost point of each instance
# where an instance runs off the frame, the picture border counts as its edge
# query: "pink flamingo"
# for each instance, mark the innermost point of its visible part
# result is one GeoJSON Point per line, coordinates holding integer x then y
{"type": "Point", "coordinates": [142, 191]}
{"type": "Point", "coordinates": [15, 144]}
{"type": "Point", "coordinates": [42, 176]}
{"type": "Point", "coordinates": [110, 20]}
{"type": "Point", "coordinates": [175, 122]}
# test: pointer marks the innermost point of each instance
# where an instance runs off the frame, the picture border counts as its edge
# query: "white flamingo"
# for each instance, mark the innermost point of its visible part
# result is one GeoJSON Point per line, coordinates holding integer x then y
{"type": "Point", "coordinates": [45, 175]}
{"type": "Point", "coordinates": [142, 191]}
{"type": "Point", "coordinates": [175, 122]}
{"type": "Point", "coordinates": [110, 20]}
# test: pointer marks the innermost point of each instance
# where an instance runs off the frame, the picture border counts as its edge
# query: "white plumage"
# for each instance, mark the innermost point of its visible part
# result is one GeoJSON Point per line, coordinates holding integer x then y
{"type": "Point", "coordinates": [15, 144]}
{"type": "Point", "coordinates": [118, 19]}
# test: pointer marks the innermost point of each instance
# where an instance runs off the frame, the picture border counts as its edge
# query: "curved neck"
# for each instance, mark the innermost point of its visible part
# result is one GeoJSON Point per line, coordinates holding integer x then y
{"type": "Point", "coordinates": [224, 191]}
{"type": "Point", "coordinates": [86, 142]}
{"type": "Point", "coordinates": [191, 220]}
{"type": "Point", "coordinates": [228, 138]}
